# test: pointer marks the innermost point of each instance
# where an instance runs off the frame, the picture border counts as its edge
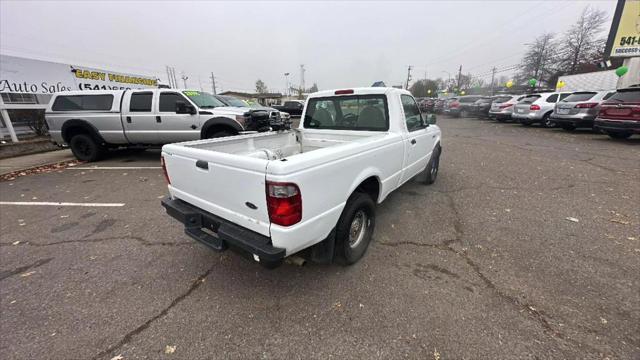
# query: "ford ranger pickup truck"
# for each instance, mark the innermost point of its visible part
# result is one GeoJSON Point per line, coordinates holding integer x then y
{"type": "Point", "coordinates": [91, 122]}
{"type": "Point", "coordinates": [314, 188]}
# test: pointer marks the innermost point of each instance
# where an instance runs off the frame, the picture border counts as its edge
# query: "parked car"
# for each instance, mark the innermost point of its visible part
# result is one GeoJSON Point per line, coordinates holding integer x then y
{"type": "Point", "coordinates": [579, 109]}
{"type": "Point", "coordinates": [91, 122]}
{"type": "Point", "coordinates": [438, 106]}
{"type": "Point", "coordinates": [278, 119]}
{"type": "Point", "coordinates": [537, 108]}
{"type": "Point", "coordinates": [316, 187]}
{"type": "Point", "coordinates": [447, 109]}
{"type": "Point", "coordinates": [427, 105]}
{"type": "Point", "coordinates": [481, 107]}
{"type": "Point", "coordinates": [619, 116]}
{"type": "Point", "coordinates": [502, 106]}
{"type": "Point", "coordinates": [463, 105]}
{"type": "Point", "coordinates": [292, 107]}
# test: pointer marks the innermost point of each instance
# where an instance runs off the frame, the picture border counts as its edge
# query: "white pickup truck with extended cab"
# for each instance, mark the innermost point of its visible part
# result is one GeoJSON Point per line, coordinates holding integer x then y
{"type": "Point", "coordinates": [91, 122]}
{"type": "Point", "coordinates": [316, 187]}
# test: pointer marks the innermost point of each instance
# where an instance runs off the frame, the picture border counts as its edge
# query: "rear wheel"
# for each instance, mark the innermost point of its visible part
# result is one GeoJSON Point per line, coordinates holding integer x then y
{"type": "Point", "coordinates": [619, 135]}
{"type": "Point", "coordinates": [547, 122]}
{"type": "Point", "coordinates": [355, 228]}
{"type": "Point", "coordinates": [85, 148]}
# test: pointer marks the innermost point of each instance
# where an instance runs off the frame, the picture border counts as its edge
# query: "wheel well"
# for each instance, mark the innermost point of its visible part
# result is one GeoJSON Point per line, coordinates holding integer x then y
{"type": "Point", "coordinates": [370, 186]}
{"type": "Point", "coordinates": [219, 127]}
{"type": "Point", "coordinates": [73, 130]}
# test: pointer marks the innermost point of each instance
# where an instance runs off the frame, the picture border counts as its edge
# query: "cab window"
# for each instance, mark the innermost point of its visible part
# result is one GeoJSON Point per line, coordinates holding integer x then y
{"type": "Point", "coordinates": [168, 101]}
{"type": "Point", "coordinates": [141, 102]}
{"type": "Point", "coordinates": [412, 115]}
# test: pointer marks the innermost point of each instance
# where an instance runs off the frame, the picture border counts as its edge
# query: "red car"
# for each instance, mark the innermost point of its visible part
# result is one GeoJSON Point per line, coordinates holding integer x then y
{"type": "Point", "coordinates": [619, 117]}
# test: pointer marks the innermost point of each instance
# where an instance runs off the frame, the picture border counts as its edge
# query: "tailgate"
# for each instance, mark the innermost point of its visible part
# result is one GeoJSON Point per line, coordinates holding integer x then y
{"type": "Point", "coordinates": [231, 187]}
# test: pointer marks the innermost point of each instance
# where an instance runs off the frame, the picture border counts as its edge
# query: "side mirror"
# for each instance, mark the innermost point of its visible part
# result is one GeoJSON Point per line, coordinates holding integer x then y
{"type": "Point", "coordinates": [183, 108]}
{"type": "Point", "coordinates": [431, 119]}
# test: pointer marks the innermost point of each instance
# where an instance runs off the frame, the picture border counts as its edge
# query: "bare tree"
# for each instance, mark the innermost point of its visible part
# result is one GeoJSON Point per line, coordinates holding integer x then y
{"type": "Point", "coordinates": [584, 42]}
{"type": "Point", "coordinates": [261, 88]}
{"type": "Point", "coordinates": [538, 62]}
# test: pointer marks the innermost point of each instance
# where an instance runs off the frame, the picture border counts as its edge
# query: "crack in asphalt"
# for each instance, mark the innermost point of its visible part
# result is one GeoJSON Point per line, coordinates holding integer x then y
{"type": "Point", "coordinates": [97, 240]}
{"type": "Point", "coordinates": [536, 314]}
{"type": "Point", "coordinates": [129, 336]}
{"type": "Point", "coordinates": [7, 273]}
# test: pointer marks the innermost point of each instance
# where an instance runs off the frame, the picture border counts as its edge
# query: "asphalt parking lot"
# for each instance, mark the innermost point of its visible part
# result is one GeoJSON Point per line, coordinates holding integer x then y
{"type": "Point", "coordinates": [527, 246]}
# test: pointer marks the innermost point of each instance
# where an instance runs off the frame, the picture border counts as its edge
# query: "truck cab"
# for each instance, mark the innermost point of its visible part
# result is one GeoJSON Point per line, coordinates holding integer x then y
{"type": "Point", "coordinates": [99, 120]}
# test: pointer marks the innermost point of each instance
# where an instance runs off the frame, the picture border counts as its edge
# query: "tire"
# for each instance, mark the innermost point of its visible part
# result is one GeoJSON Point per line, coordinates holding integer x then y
{"type": "Point", "coordinates": [433, 165]}
{"type": "Point", "coordinates": [568, 127]}
{"type": "Point", "coordinates": [619, 135]}
{"type": "Point", "coordinates": [85, 148]}
{"type": "Point", "coordinates": [219, 134]}
{"type": "Point", "coordinates": [352, 241]}
{"type": "Point", "coordinates": [547, 122]}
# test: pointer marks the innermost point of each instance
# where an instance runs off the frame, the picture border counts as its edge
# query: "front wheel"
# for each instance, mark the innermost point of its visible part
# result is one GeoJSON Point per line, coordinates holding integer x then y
{"type": "Point", "coordinates": [355, 228]}
{"type": "Point", "coordinates": [619, 135]}
{"type": "Point", "coordinates": [433, 166]}
{"type": "Point", "coordinates": [86, 148]}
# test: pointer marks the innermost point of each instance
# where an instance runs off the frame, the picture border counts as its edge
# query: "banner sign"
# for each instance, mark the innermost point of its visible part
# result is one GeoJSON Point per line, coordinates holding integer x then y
{"type": "Point", "coordinates": [624, 36]}
{"type": "Point", "coordinates": [22, 75]}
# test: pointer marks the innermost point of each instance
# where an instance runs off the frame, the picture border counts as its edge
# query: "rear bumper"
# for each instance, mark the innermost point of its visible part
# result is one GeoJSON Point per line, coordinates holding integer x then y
{"type": "Point", "coordinates": [221, 234]}
{"type": "Point", "coordinates": [626, 126]}
{"type": "Point", "coordinates": [577, 121]}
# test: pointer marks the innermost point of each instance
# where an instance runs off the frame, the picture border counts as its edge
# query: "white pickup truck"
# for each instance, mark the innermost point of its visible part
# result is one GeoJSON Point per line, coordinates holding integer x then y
{"type": "Point", "coordinates": [316, 187]}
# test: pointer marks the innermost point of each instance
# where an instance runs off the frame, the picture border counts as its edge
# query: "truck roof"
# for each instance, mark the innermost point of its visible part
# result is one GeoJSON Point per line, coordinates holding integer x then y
{"type": "Point", "coordinates": [360, 91]}
{"type": "Point", "coordinates": [114, 92]}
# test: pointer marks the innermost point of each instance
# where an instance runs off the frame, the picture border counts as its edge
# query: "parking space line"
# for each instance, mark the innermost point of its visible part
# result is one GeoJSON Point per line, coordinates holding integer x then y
{"type": "Point", "coordinates": [115, 167]}
{"type": "Point", "coordinates": [43, 203]}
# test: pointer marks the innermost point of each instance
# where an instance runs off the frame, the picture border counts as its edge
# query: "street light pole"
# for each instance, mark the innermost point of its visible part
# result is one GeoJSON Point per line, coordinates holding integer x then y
{"type": "Point", "coordinates": [448, 81]}
{"type": "Point", "coordinates": [286, 83]}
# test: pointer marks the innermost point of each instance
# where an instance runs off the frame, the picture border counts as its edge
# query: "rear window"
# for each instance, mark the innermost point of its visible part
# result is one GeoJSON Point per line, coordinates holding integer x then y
{"type": "Point", "coordinates": [581, 96]}
{"type": "Point", "coordinates": [502, 99]}
{"type": "Point", "coordinates": [364, 112]}
{"type": "Point", "coordinates": [553, 98]}
{"type": "Point", "coordinates": [529, 99]}
{"type": "Point", "coordinates": [626, 96]}
{"type": "Point", "coordinates": [141, 102]}
{"type": "Point", "coordinates": [82, 102]}
{"type": "Point", "coordinates": [469, 99]}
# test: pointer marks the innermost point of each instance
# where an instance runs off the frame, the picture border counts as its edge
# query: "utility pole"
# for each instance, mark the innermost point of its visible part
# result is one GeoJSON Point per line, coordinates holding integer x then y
{"type": "Point", "coordinates": [493, 75]}
{"type": "Point", "coordinates": [168, 75]}
{"type": "Point", "coordinates": [172, 70]}
{"type": "Point", "coordinates": [184, 80]}
{"type": "Point", "coordinates": [425, 84]}
{"type": "Point", "coordinates": [301, 79]}
{"type": "Point", "coordinates": [213, 83]}
{"type": "Point", "coordinates": [286, 84]}
{"type": "Point", "coordinates": [459, 77]}
{"type": "Point", "coordinates": [408, 77]}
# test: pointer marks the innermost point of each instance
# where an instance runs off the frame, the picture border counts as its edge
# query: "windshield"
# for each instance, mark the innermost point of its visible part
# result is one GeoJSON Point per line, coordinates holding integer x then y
{"type": "Point", "coordinates": [203, 100]}
{"type": "Point", "coordinates": [231, 101]}
{"type": "Point", "coordinates": [581, 96]}
{"type": "Point", "coordinates": [366, 112]}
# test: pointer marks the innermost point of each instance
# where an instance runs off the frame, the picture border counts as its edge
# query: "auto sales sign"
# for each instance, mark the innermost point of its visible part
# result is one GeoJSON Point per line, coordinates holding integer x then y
{"type": "Point", "coordinates": [22, 75]}
{"type": "Point", "coordinates": [624, 36]}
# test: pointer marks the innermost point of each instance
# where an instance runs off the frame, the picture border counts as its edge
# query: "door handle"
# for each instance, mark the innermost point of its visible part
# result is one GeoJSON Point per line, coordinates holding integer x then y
{"type": "Point", "coordinates": [413, 141]}
{"type": "Point", "coordinates": [202, 164]}
{"type": "Point", "coordinates": [193, 127]}
{"type": "Point", "coordinates": [158, 119]}
{"type": "Point", "coordinates": [129, 119]}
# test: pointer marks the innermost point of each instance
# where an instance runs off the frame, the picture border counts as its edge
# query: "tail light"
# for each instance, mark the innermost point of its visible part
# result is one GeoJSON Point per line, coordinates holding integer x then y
{"type": "Point", "coordinates": [504, 106]}
{"type": "Point", "coordinates": [343, 92]}
{"type": "Point", "coordinates": [454, 104]}
{"type": "Point", "coordinates": [534, 107]}
{"type": "Point", "coordinates": [586, 105]}
{"type": "Point", "coordinates": [284, 203]}
{"type": "Point", "coordinates": [164, 170]}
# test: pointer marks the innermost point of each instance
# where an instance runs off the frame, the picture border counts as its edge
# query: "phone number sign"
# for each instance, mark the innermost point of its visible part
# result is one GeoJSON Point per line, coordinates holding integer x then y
{"type": "Point", "coordinates": [624, 36]}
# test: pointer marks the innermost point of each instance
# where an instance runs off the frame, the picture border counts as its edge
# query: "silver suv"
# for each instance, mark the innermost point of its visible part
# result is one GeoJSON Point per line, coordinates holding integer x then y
{"type": "Point", "coordinates": [579, 109]}
{"type": "Point", "coordinates": [502, 106]}
{"type": "Point", "coordinates": [537, 108]}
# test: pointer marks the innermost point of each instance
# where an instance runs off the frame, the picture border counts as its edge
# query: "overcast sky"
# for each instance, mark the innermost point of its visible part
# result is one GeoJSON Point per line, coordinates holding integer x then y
{"type": "Point", "coordinates": [341, 44]}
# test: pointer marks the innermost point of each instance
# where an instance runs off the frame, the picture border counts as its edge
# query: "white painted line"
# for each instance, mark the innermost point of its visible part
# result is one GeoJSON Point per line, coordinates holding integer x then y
{"type": "Point", "coordinates": [114, 167]}
{"type": "Point", "coordinates": [42, 203]}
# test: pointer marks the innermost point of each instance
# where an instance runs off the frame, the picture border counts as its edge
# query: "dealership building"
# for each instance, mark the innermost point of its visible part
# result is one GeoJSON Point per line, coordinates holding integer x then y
{"type": "Point", "coordinates": [26, 85]}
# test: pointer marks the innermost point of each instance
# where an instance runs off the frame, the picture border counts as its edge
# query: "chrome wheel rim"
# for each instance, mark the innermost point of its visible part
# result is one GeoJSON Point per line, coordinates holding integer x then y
{"type": "Point", "coordinates": [358, 228]}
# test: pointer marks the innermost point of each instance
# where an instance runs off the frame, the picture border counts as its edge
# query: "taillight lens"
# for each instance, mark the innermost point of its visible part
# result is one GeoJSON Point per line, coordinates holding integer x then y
{"type": "Point", "coordinates": [164, 170]}
{"type": "Point", "coordinates": [454, 104]}
{"type": "Point", "coordinates": [504, 106]}
{"type": "Point", "coordinates": [534, 107]}
{"type": "Point", "coordinates": [284, 203]}
{"type": "Point", "coordinates": [586, 105]}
